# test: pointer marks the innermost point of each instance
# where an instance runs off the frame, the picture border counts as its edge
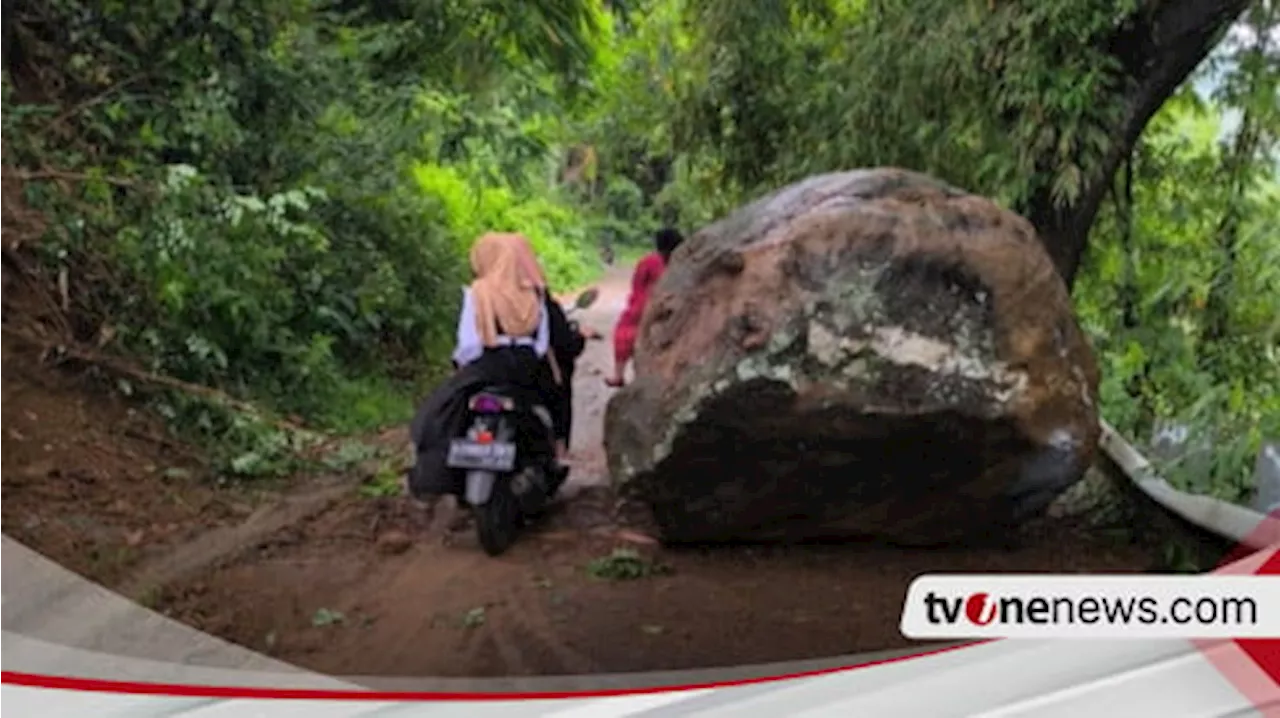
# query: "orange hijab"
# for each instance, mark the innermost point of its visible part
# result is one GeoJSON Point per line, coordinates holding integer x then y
{"type": "Point", "coordinates": [505, 291]}
{"type": "Point", "coordinates": [529, 266]}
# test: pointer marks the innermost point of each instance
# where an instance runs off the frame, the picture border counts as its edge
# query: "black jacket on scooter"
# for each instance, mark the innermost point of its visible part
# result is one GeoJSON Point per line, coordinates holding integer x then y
{"type": "Point", "coordinates": [442, 414]}
{"type": "Point", "coordinates": [567, 343]}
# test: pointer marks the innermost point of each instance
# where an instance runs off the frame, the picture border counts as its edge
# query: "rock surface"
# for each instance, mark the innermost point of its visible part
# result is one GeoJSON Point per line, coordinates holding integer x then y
{"type": "Point", "coordinates": [869, 353]}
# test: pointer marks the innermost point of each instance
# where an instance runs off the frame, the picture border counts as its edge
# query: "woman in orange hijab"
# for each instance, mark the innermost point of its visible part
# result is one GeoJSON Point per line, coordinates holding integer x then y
{"type": "Point", "coordinates": [503, 338]}
{"type": "Point", "coordinates": [504, 305]}
{"type": "Point", "coordinates": [509, 289]}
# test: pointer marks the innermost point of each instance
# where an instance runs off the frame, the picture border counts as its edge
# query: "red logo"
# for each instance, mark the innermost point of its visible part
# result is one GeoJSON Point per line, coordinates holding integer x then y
{"type": "Point", "coordinates": [980, 609]}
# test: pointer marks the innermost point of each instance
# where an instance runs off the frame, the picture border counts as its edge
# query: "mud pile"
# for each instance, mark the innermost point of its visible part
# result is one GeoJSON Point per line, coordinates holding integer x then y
{"type": "Point", "coordinates": [870, 353]}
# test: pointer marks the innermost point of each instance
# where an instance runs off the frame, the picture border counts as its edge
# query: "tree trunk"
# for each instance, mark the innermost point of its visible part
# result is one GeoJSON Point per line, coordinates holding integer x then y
{"type": "Point", "coordinates": [10, 52]}
{"type": "Point", "coordinates": [1158, 47]}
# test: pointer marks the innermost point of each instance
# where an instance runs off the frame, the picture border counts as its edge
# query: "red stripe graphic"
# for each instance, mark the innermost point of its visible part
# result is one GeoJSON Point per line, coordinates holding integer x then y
{"type": "Point", "coordinates": [1251, 665]}
{"type": "Point", "coordinates": [35, 680]}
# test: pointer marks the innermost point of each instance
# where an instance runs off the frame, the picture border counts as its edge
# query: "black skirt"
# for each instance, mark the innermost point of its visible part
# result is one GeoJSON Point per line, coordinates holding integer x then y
{"type": "Point", "coordinates": [441, 416]}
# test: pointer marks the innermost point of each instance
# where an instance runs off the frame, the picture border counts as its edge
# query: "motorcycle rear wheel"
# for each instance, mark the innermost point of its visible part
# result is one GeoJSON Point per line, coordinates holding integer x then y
{"type": "Point", "coordinates": [498, 519]}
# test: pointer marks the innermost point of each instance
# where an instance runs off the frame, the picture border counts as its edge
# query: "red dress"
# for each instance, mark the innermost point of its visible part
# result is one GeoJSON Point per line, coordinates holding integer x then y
{"type": "Point", "coordinates": [648, 272]}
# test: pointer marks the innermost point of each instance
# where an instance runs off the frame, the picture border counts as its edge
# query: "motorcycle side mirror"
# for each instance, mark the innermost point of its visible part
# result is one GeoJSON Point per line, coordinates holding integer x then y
{"type": "Point", "coordinates": [587, 298]}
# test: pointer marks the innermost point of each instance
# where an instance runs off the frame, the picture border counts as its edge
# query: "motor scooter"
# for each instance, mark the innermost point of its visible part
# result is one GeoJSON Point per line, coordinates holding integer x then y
{"type": "Point", "coordinates": [507, 452]}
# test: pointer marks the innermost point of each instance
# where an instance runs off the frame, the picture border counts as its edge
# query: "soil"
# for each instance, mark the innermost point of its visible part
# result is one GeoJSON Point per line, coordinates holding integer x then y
{"type": "Point", "coordinates": [446, 610]}
{"type": "Point", "coordinates": [329, 579]}
{"type": "Point", "coordinates": [93, 482]}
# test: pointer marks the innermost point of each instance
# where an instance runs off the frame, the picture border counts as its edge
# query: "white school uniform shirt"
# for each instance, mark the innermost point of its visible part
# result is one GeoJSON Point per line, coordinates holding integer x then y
{"type": "Point", "coordinates": [470, 345]}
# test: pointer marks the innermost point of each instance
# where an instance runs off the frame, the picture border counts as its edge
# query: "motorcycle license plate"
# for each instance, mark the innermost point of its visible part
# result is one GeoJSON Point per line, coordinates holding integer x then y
{"type": "Point", "coordinates": [493, 456]}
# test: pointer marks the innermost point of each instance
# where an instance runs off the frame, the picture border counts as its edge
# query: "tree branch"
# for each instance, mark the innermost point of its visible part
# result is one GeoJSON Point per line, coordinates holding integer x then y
{"type": "Point", "coordinates": [123, 369]}
{"type": "Point", "coordinates": [69, 176]}
{"type": "Point", "coordinates": [1161, 45]}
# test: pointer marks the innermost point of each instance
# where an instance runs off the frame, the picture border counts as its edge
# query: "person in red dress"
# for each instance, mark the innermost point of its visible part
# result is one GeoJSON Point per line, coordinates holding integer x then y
{"type": "Point", "coordinates": [647, 273]}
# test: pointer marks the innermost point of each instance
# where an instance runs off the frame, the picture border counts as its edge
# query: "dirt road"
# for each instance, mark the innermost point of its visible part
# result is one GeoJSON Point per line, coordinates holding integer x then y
{"type": "Point", "coordinates": [447, 610]}
{"type": "Point", "coordinates": [356, 585]}
{"type": "Point", "coordinates": [589, 391]}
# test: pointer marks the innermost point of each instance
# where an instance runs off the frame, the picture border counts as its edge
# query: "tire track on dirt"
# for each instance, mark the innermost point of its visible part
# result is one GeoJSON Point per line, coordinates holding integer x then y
{"type": "Point", "coordinates": [518, 630]}
{"type": "Point", "coordinates": [525, 638]}
{"type": "Point", "coordinates": [439, 610]}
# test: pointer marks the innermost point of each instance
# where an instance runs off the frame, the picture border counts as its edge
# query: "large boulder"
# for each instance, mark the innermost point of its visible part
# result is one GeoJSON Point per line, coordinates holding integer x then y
{"type": "Point", "coordinates": [869, 353]}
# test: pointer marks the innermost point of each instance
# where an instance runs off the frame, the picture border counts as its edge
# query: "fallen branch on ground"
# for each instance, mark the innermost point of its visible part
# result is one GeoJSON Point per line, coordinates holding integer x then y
{"type": "Point", "coordinates": [121, 368]}
{"type": "Point", "coordinates": [45, 175]}
{"type": "Point", "coordinates": [41, 290]}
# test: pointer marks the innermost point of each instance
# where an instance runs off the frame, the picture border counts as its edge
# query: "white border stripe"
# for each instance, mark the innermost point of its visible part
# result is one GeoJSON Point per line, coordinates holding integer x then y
{"type": "Point", "coordinates": [627, 705]}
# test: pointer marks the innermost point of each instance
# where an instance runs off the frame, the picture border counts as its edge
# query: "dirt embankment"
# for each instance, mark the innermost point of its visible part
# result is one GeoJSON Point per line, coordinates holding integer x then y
{"type": "Point", "coordinates": [94, 483]}
{"type": "Point", "coordinates": [329, 579]}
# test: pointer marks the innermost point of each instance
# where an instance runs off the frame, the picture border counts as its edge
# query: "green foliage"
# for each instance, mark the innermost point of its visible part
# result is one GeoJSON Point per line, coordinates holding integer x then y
{"type": "Point", "coordinates": [1145, 298]}
{"type": "Point", "coordinates": [482, 40]}
{"type": "Point", "coordinates": [556, 231]}
{"type": "Point", "coordinates": [324, 617]}
{"type": "Point", "coordinates": [243, 445]}
{"type": "Point", "coordinates": [276, 199]}
{"type": "Point", "coordinates": [998, 98]}
{"type": "Point", "coordinates": [624, 564]}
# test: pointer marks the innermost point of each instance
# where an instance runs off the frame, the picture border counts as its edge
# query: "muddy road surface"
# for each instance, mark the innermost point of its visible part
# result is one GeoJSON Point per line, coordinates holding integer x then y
{"type": "Point", "coordinates": [324, 576]}
{"type": "Point", "coordinates": [325, 596]}
{"type": "Point", "coordinates": [590, 394]}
